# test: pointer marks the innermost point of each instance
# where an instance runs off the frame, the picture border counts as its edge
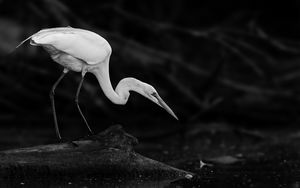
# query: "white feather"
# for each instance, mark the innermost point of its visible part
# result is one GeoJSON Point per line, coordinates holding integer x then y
{"type": "Point", "coordinates": [85, 51]}
{"type": "Point", "coordinates": [82, 44]}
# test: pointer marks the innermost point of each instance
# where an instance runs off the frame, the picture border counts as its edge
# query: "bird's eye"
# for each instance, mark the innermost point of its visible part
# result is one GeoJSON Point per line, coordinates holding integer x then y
{"type": "Point", "coordinates": [154, 94]}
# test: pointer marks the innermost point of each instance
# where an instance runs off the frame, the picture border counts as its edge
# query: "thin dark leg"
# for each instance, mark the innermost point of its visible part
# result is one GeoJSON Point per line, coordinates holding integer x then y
{"type": "Point", "coordinates": [77, 104]}
{"type": "Point", "coordinates": [52, 93]}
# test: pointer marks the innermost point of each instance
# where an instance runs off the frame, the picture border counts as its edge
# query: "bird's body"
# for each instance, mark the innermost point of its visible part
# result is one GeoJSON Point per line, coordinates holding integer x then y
{"type": "Point", "coordinates": [84, 51]}
{"type": "Point", "coordinates": [73, 48]}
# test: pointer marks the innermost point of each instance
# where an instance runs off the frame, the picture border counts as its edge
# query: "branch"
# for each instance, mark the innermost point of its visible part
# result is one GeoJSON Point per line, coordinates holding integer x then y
{"type": "Point", "coordinates": [107, 154]}
{"type": "Point", "coordinates": [243, 57]}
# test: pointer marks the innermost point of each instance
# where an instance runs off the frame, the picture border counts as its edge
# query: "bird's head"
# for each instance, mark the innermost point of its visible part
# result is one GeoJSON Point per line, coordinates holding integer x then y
{"type": "Point", "coordinates": [122, 91]}
{"type": "Point", "coordinates": [149, 92]}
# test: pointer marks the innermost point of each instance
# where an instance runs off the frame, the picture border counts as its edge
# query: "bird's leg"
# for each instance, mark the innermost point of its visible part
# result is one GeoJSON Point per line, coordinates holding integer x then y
{"type": "Point", "coordinates": [52, 93]}
{"type": "Point", "coordinates": [77, 104]}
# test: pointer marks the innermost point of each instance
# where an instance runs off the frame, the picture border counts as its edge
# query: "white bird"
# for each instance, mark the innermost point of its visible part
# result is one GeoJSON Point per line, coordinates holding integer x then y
{"type": "Point", "coordinates": [84, 51]}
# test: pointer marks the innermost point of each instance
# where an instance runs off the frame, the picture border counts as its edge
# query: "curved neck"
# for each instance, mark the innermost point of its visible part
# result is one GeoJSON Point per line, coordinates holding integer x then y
{"type": "Point", "coordinates": [121, 94]}
{"type": "Point", "coordinates": [102, 74]}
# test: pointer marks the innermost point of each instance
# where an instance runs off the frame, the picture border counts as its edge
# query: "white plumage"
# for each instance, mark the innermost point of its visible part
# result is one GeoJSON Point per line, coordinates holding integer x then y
{"type": "Point", "coordinates": [85, 51]}
{"type": "Point", "coordinates": [82, 44]}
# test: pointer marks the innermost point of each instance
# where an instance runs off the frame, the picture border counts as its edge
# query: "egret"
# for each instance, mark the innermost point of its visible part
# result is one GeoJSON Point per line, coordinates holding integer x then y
{"type": "Point", "coordinates": [84, 51]}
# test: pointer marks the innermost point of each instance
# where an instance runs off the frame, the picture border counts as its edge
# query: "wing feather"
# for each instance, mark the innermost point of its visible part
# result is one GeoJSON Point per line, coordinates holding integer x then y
{"type": "Point", "coordinates": [82, 44]}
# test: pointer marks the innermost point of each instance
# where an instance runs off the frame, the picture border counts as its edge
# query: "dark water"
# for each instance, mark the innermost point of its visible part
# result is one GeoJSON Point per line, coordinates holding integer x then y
{"type": "Point", "coordinates": [220, 156]}
{"type": "Point", "coordinates": [91, 183]}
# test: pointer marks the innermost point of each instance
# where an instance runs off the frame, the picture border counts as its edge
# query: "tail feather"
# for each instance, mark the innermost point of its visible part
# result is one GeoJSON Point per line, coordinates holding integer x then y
{"type": "Point", "coordinates": [21, 43]}
{"type": "Point", "coordinates": [24, 41]}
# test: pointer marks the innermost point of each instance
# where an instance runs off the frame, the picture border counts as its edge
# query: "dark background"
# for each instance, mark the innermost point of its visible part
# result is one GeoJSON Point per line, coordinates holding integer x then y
{"type": "Point", "coordinates": [230, 70]}
{"type": "Point", "coordinates": [232, 62]}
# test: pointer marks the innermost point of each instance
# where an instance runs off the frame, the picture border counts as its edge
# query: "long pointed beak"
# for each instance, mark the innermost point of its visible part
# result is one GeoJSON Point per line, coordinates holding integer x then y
{"type": "Point", "coordinates": [162, 104]}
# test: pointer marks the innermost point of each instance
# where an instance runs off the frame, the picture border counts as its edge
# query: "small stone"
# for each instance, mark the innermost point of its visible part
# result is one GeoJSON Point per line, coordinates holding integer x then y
{"type": "Point", "coordinates": [203, 164]}
{"type": "Point", "coordinates": [189, 176]}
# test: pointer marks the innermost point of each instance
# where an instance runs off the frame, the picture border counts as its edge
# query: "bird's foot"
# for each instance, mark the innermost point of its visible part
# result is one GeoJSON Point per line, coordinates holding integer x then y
{"type": "Point", "coordinates": [89, 136]}
{"type": "Point", "coordinates": [73, 144]}
{"type": "Point", "coordinates": [70, 142]}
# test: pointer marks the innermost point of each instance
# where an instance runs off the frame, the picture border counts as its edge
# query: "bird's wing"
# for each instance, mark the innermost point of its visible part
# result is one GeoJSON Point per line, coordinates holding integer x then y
{"type": "Point", "coordinates": [82, 44]}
